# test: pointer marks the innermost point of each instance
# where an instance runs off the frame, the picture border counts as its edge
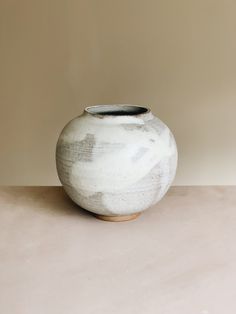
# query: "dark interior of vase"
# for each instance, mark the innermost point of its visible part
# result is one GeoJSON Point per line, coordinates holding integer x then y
{"type": "Point", "coordinates": [116, 110]}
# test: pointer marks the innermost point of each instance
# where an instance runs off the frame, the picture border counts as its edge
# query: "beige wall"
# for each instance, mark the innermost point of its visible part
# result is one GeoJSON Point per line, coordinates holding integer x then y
{"type": "Point", "coordinates": [179, 57]}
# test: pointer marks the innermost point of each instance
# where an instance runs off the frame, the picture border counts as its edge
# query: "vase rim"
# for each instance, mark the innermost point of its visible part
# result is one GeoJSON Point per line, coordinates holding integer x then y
{"type": "Point", "coordinates": [117, 110]}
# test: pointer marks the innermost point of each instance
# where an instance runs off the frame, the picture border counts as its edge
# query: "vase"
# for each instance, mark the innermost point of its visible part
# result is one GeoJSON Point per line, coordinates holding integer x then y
{"type": "Point", "coordinates": [116, 160]}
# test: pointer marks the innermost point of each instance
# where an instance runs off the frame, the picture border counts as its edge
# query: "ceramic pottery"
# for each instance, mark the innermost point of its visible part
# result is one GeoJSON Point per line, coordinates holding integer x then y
{"type": "Point", "coordinates": [116, 160]}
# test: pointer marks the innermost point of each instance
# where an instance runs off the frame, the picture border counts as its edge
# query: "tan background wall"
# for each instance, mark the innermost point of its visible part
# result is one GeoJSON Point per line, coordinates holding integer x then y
{"type": "Point", "coordinates": [177, 56]}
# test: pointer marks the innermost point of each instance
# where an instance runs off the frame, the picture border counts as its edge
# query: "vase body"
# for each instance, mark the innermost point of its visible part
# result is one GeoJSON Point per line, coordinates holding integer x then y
{"type": "Point", "coordinates": [116, 160]}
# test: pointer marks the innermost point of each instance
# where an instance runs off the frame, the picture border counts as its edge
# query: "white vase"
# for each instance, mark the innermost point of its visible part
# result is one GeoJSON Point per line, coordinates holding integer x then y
{"type": "Point", "coordinates": [116, 160]}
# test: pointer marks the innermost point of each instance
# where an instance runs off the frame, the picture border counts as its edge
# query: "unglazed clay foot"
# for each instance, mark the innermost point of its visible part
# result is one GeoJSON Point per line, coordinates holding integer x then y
{"type": "Point", "coordinates": [117, 218]}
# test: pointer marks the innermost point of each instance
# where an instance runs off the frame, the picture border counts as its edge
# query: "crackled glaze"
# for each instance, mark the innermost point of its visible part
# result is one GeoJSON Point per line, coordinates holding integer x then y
{"type": "Point", "coordinates": [116, 159]}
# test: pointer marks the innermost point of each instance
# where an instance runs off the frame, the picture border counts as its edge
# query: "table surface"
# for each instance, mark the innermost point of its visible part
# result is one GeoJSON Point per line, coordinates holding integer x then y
{"type": "Point", "coordinates": [178, 257]}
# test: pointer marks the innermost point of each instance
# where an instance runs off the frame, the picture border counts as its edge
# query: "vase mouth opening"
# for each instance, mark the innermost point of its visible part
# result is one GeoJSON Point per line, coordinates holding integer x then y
{"type": "Point", "coordinates": [116, 110]}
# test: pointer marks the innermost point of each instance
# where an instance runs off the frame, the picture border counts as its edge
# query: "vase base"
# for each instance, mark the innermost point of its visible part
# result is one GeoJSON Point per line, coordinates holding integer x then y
{"type": "Point", "coordinates": [118, 218]}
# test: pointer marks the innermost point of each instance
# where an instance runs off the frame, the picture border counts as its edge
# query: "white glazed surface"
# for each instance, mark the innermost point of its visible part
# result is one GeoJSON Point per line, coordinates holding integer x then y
{"type": "Point", "coordinates": [116, 165]}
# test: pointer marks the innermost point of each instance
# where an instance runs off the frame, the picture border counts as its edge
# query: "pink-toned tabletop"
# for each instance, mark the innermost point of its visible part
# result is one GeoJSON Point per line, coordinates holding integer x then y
{"type": "Point", "coordinates": [178, 257]}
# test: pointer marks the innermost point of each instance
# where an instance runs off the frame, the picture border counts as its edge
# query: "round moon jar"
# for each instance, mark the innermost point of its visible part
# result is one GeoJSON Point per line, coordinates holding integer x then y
{"type": "Point", "coordinates": [116, 160]}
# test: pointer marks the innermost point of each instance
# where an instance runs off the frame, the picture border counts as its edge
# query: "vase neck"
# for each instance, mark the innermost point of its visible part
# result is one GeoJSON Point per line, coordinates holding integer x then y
{"type": "Point", "coordinates": [118, 113]}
